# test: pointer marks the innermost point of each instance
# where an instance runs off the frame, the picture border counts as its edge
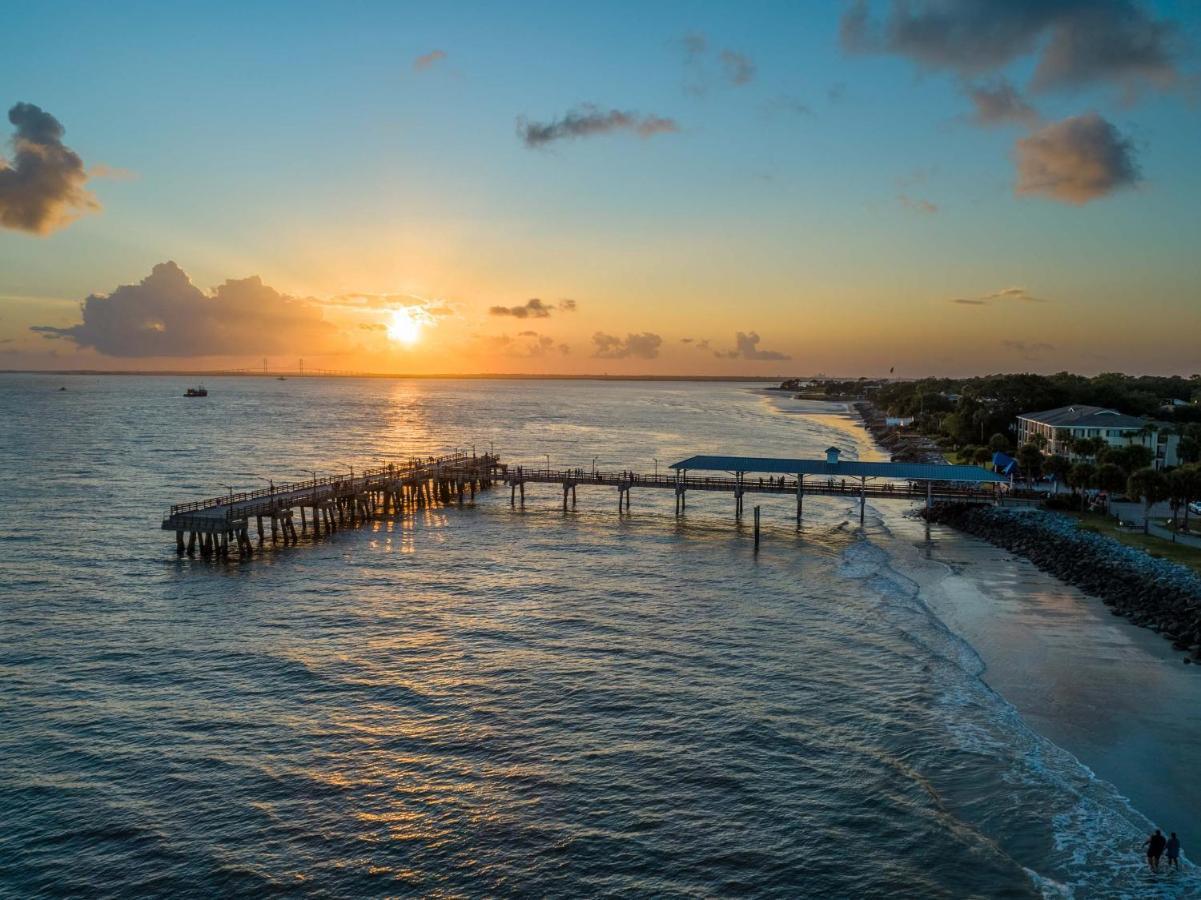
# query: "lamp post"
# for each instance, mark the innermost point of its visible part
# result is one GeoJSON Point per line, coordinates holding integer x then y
{"type": "Point", "coordinates": [547, 455]}
{"type": "Point", "coordinates": [656, 467]}
{"type": "Point", "coordinates": [229, 509]}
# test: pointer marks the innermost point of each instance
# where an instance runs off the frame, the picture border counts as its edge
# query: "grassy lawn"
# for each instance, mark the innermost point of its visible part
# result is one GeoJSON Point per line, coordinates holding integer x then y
{"type": "Point", "coordinates": [1188, 556]}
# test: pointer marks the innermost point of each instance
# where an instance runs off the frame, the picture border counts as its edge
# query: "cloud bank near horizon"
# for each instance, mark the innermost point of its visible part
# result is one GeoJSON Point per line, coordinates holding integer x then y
{"type": "Point", "coordinates": [165, 315]}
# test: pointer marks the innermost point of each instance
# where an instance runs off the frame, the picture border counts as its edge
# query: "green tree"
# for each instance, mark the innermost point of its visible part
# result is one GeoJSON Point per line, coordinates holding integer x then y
{"type": "Point", "coordinates": [1184, 486]}
{"type": "Point", "coordinates": [981, 456]}
{"type": "Point", "coordinates": [1057, 467]}
{"type": "Point", "coordinates": [1189, 449]}
{"type": "Point", "coordinates": [1030, 458]}
{"type": "Point", "coordinates": [1152, 486]}
{"type": "Point", "coordinates": [1081, 476]}
{"type": "Point", "coordinates": [1111, 478]}
{"type": "Point", "coordinates": [998, 443]}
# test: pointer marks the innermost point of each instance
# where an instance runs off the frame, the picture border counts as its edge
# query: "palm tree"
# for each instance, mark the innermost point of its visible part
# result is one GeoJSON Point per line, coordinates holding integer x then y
{"type": "Point", "coordinates": [1058, 466]}
{"type": "Point", "coordinates": [1187, 486]}
{"type": "Point", "coordinates": [1111, 478]}
{"type": "Point", "coordinates": [1152, 486]}
{"type": "Point", "coordinates": [1081, 475]}
{"type": "Point", "coordinates": [1030, 458]}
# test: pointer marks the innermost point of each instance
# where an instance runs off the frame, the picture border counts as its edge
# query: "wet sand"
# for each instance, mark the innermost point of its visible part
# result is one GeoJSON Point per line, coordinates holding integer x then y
{"type": "Point", "coordinates": [1114, 695]}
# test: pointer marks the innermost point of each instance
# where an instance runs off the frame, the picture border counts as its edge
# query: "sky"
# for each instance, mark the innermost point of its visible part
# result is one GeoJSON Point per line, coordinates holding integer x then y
{"type": "Point", "coordinates": [937, 187]}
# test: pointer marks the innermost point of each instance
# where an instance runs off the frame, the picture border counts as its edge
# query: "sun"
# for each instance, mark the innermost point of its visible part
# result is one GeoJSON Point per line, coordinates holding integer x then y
{"type": "Point", "coordinates": [404, 328]}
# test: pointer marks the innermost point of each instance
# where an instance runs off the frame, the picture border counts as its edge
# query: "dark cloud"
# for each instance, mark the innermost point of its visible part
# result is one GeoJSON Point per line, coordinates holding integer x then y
{"type": "Point", "coordinates": [568, 305]}
{"type": "Point", "coordinates": [640, 346]}
{"type": "Point", "coordinates": [739, 68]}
{"type": "Point", "coordinates": [1018, 294]}
{"type": "Point", "coordinates": [999, 103]}
{"type": "Point", "coordinates": [428, 60]}
{"type": "Point", "coordinates": [531, 309]}
{"type": "Point", "coordinates": [747, 347]}
{"type": "Point", "coordinates": [1075, 160]}
{"type": "Point", "coordinates": [1076, 42]}
{"type": "Point", "coordinates": [167, 315]}
{"type": "Point", "coordinates": [587, 120]}
{"type": "Point", "coordinates": [917, 204]}
{"type": "Point", "coordinates": [42, 188]}
{"type": "Point", "coordinates": [1028, 350]}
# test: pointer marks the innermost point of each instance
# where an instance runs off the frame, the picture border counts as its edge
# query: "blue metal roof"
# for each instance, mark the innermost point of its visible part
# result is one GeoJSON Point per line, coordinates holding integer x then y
{"type": "Point", "coordinates": [847, 469]}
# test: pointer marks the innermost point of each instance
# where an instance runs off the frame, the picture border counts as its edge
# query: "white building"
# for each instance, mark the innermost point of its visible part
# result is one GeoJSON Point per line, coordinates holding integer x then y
{"type": "Point", "coordinates": [1059, 426]}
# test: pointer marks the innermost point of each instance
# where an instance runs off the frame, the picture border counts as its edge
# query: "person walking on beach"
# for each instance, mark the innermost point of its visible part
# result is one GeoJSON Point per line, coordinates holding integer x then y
{"type": "Point", "coordinates": [1155, 845]}
{"type": "Point", "coordinates": [1173, 848]}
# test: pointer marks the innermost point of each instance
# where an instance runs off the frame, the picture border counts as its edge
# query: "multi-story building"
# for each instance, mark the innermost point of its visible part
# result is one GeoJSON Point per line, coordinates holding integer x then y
{"type": "Point", "coordinates": [1069, 423]}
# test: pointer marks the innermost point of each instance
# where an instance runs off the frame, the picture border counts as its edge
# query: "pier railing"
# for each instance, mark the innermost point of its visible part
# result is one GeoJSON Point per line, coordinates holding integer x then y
{"type": "Point", "coordinates": [412, 468]}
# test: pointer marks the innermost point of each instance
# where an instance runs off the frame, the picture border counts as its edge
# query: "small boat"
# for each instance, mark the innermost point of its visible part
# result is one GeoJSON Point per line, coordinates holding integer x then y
{"type": "Point", "coordinates": [196, 392]}
{"type": "Point", "coordinates": [280, 378]}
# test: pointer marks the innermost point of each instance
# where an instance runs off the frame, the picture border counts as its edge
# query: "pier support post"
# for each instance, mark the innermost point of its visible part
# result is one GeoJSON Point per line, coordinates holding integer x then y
{"type": "Point", "coordinates": [756, 529]}
{"type": "Point", "coordinates": [862, 499]}
{"type": "Point", "coordinates": [179, 547]}
{"type": "Point", "coordinates": [800, 498]}
{"type": "Point", "coordinates": [566, 488]}
{"type": "Point", "coordinates": [191, 543]}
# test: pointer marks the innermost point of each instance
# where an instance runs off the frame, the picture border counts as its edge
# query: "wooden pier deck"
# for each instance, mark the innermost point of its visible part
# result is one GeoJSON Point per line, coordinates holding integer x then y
{"type": "Point", "coordinates": [213, 525]}
{"type": "Point", "coordinates": [323, 505]}
{"type": "Point", "coordinates": [738, 486]}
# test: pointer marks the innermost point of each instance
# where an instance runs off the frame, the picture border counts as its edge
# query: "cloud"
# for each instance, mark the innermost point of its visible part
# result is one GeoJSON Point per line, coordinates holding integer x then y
{"type": "Point", "coordinates": [428, 60]}
{"type": "Point", "coordinates": [167, 315]}
{"type": "Point", "coordinates": [568, 305]}
{"type": "Point", "coordinates": [587, 120]}
{"type": "Point", "coordinates": [434, 308]}
{"type": "Point", "coordinates": [736, 68]}
{"type": "Point", "coordinates": [531, 309]}
{"type": "Point", "coordinates": [999, 103]}
{"type": "Point", "coordinates": [113, 173]}
{"type": "Point", "coordinates": [532, 344]}
{"type": "Point", "coordinates": [739, 68]}
{"type": "Point", "coordinates": [1028, 350]}
{"type": "Point", "coordinates": [917, 205]}
{"type": "Point", "coordinates": [1075, 42]}
{"type": "Point", "coordinates": [747, 347]}
{"type": "Point", "coordinates": [42, 188]}
{"type": "Point", "coordinates": [791, 105]}
{"type": "Point", "coordinates": [1018, 294]}
{"type": "Point", "coordinates": [640, 346]}
{"type": "Point", "coordinates": [1075, 160]}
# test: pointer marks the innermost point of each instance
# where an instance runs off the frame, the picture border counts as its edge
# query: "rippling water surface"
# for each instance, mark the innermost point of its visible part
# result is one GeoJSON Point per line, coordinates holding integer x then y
{"type": "Point", "coordinates": [488, 701]}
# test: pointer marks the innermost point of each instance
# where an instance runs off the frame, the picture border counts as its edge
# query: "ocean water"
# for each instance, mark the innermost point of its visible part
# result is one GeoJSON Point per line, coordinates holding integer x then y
{"type": "Point", "coordinates": [487, 701]}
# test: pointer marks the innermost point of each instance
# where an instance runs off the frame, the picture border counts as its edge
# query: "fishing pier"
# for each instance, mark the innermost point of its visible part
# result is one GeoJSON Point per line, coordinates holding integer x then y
{"type": "Point", "coordinates": [324, 505]}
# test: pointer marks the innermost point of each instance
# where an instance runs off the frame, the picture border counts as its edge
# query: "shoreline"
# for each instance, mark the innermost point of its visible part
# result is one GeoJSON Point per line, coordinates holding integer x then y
{"type": "Point", "coordinates": [1161, 596]}
{"type": "Point", "coordinates": [1079, 677]}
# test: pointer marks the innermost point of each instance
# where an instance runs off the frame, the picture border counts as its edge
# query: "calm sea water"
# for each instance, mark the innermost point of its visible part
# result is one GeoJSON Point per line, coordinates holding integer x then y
{"type": "Point", "coordinates": [495, 702]}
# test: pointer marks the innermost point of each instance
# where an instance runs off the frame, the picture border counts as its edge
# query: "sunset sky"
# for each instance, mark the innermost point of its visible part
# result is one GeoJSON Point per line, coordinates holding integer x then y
{"type": "Point", "coordinates": [943, 186]}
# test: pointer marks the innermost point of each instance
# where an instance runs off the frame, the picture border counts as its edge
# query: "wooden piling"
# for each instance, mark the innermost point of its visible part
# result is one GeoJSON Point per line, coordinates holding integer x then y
{"type": "Point", "coordinates": [756, 529]}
